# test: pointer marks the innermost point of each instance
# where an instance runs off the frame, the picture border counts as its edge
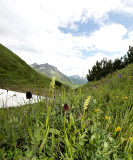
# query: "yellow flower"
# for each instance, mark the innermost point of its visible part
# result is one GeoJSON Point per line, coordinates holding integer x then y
{"type": "Point", "coordinates": [117, 129]}
{"type": "Point", "coordinates": [107, 117]}
{"type": "Point", "coordinates": [124, 97]}
{"type": "Point", "coordinates": [97, 110]}
{"type": "Point", "coordinates": [130, 138]}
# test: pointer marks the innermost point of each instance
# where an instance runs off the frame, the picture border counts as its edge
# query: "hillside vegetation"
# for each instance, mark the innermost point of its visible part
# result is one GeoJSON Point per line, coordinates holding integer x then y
{"type": "Point", "coordinates": [104, 67]}
{"type": "Point", "coordinates": [93, 122]}
{"type": "Point", "coordinates": [15, 74]}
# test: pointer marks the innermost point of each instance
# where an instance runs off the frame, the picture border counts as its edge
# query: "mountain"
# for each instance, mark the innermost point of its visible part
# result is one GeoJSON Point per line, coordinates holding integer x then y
{"type": "Point", "coordinates": [50, 71]}
{"type": "Point", "coordinates": [16, 74]}
{"type": "Point", "coordinates": [77, 80]}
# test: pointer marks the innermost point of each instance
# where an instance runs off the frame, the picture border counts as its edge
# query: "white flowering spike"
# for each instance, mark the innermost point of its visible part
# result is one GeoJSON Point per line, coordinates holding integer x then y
{"type": "Point", "coordinates": [87, 102]}
{"type": "Point", "coordinates": [52, 84]}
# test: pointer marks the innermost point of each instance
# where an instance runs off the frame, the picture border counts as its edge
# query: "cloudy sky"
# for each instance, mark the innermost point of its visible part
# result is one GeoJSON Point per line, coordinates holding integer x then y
{"type": "Point", "coordinates": [69, 34]}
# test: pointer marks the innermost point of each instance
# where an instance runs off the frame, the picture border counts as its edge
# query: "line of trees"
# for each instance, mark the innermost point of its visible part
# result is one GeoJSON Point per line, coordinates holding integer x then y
{"type": "Point", "coordinates": [104, 67]}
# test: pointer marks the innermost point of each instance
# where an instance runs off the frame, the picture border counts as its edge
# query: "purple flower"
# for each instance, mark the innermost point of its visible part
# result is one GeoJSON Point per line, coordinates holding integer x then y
{"type": "Point", "coordinates": [93, 87]}
{"type": "Point", "coordinates": [106, 82]}
{"type": "Point", "coordinates": [65, 107]}
{"type": "Point", "coordinates": [28, 95]}
{"type": "Point", "coordinates": [120, 75]}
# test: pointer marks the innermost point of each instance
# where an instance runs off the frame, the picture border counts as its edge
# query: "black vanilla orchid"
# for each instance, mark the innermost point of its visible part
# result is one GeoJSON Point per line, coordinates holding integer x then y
{"type": "Point", "coordinates": [28, 95]}
{"type": "Point", "coordinates": [65, 107]}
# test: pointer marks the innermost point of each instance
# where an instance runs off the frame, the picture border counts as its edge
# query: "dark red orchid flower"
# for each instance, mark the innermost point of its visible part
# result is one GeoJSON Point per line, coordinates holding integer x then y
{"type": "Point", "coordinates": [65, 107]}
{"type": "Point", "coordinates": [28, 95]}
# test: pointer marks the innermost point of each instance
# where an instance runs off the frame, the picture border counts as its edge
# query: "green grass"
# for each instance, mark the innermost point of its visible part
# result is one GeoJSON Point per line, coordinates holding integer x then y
{"type": "Point", "coordinates": [44, 131]}
{"type": "Point", "coordinates": [15, 74]}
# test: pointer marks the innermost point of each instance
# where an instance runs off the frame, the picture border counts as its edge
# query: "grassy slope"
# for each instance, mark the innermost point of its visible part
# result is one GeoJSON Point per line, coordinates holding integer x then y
{"type": "Point", "coordinates": [15, 74]}
{"type": "Point", "coordinates": [86, 134]}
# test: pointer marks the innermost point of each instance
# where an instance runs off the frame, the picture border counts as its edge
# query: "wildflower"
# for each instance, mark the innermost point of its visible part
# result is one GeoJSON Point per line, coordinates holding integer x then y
{"type": "Point", "coordinates": [28, 95]}
{"type": "Point", "coordinates": [107, 117]}
{"type": "Point", "coordinates": [52, 84]}
{"type": "Point", "coordinates": [86, 102]}
{"type": "Point", "coordinates": [65, 107]}
{"type": "Point", "coordinates": [124, 97]}
{"type": "Point", "coordinates": [97, 110]}
{"type": "Point", "coordinates": [120, 75]}
{"type": "Point", "coordinates": [106, 82]}
{"type": "Point", "coordinates": [130, 138]}
{"type": "Point", "coordinates": [117, 129]}
{"type": "Point", "coordinates": [93, 87]}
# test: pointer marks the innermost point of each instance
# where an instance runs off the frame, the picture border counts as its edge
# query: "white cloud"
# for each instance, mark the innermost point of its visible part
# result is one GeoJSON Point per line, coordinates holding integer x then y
{"type": "Point", "coordinates": [31, 29]}
{"type": "Point", "coordinates": [110, 38]}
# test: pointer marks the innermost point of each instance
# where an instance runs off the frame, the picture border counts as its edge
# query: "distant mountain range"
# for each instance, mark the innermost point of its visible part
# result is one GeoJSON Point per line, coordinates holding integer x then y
{"type": "Point", "coordinates": [51, 71]}
{"type": "Point", "coordinates": [77, 80]}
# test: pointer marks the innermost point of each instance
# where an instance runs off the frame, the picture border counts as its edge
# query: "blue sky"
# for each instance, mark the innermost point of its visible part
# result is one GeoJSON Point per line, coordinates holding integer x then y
{"type": "Point", "coordinates": [71, 35]}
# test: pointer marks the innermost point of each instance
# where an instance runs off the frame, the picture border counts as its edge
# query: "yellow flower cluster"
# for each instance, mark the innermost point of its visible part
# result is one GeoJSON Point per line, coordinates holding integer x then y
{"type": "Point", "coordinates": [124, 98]}
{"type": "Point", "coordinates": [87, 102]}
{"type": "Point", "coordinates": [117, 129]}
{"type": "Point", "coordinates": [107, 117]}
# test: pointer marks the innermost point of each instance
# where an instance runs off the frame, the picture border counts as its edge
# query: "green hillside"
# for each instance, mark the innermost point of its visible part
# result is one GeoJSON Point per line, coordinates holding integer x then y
{"type": "Point", "coordinates": [15, 74]}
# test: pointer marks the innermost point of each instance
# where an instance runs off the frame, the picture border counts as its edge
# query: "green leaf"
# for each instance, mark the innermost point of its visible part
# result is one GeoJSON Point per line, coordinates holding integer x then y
{"type": "Point", "coordinates": [44, 140]}
{"type": "Point", "coordinates": [105, 144]}
{"type": "Point", "coordinates": [54, 131]}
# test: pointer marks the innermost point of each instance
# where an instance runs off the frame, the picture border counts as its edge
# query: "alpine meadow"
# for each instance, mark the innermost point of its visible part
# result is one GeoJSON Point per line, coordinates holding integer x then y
{"type": "Point", "coordinates": [93, 121]}
{"type": "Point", "coordinates": [66, 79]}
